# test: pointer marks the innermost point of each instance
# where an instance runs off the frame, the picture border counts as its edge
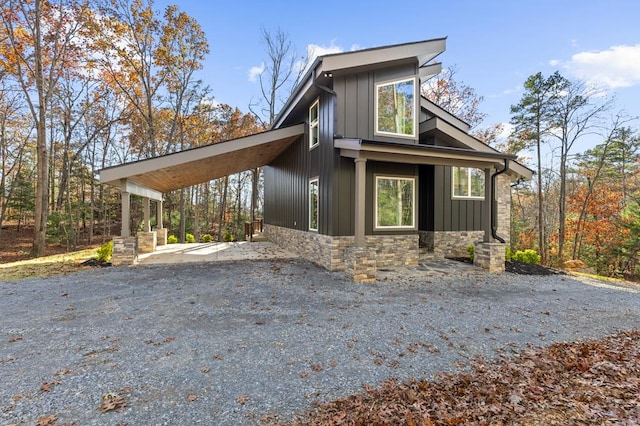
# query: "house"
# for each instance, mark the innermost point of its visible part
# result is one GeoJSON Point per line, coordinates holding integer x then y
{"type": "Point", "coordinates": [360, 171]}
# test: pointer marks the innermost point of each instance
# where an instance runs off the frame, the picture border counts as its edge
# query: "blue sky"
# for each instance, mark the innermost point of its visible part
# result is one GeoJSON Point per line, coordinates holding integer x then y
{"type": "Point", "coordinates": [495, 44]}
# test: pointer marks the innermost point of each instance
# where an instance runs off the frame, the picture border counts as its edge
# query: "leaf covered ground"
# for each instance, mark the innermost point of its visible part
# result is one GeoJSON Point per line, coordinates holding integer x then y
{"type": "Point", "coordinates": [590, 382]}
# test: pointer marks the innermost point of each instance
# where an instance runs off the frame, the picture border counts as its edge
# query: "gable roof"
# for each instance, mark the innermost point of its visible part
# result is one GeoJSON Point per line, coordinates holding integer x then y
{"type": "Point", "coordinates": [454, 131]}
{"type": "Point", "coordinates": [324, 67]}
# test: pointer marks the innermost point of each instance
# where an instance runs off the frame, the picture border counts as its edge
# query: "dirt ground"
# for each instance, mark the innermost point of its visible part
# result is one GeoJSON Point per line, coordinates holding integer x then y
{"type": "Point", "coordinates": [15, 244]}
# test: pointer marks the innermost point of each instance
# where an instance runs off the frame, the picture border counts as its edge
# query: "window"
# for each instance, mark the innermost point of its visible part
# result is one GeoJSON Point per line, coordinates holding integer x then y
{"type": "Point", "coordinates": [313, 124]}
{"type": "Point", "coordinates": [468, 182]}
{"type": "Point", "coordinates": [313, 204]}
{"type": "Point", "coordinates": [395, 108]}
{"type": "Point", "coordinates": [395, 202]}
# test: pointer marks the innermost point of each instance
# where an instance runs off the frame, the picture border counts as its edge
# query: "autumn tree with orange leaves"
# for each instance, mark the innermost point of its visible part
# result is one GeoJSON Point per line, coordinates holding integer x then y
{"type": "Point", "coordinates": [40, 40]}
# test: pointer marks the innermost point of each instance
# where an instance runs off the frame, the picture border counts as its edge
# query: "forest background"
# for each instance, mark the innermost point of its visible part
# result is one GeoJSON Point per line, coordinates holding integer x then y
{"type": "Point", "coordinates": [87, 85]}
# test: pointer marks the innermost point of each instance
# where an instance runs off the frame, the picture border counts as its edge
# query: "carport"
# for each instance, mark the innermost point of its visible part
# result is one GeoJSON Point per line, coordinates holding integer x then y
{"type": "Point", "coordinates": [152, 178]}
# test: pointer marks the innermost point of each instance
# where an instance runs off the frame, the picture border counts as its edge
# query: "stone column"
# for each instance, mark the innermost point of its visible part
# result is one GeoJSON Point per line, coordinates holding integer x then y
{"type": "Point", "coordinates": [125, 251]}
{"type": "Point", "coordinates": [489, 256]}
{"type": "Point", "coordinates": [360, 264]}
{"type": "Point", "coordinates": [126, 214]}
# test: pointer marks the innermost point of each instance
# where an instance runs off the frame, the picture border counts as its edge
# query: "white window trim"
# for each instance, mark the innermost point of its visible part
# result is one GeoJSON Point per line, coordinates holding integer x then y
{"type": "Point", "coordinates": [317, 181]}
{"type": "Point", "coordinates": [375, 206]}
{"type": "Point", "coordinates": [415, 109]}
{"type": "Point", "coordinates": [314, 124]}
{"type": "Point", "coordinates": [453, 186]}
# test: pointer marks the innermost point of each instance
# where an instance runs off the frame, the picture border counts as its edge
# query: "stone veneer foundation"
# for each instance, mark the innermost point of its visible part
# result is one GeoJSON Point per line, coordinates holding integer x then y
{"type": "Point", "coordinates": [449, 243]}
{"type": "Point", "coordinates": [329, 252]}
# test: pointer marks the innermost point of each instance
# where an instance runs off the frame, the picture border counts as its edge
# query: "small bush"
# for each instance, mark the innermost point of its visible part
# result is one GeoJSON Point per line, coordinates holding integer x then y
{"type": "Point", "coordinates": [206, 238]}
{"type": "Point", "coordinates": [189, 238]}
{"type": "Point", "coordinates": [105, 251]}
{"type": "Point", "coordinates": [172, 239]}
{"type": "Point", "coordinates": [228, 237]}
{"type": "Point", "coordinates": [471, 251]}
{"type": "Point", "coordinates": [507, 254]}
{"type": "Point", "coordinates": [527, 256]}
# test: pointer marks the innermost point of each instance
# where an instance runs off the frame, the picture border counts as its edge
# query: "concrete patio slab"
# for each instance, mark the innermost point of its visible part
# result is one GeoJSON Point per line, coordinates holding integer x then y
{"type": "Point", "coordinates": [211, 252]}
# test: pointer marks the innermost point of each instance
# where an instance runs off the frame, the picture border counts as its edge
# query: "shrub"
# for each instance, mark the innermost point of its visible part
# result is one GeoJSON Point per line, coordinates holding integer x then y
{"type": "Point", "coordinates": [228, 237]}
{"type": "Point", "coordinates": [189, 238]}
{"type": "Point", "coordinates": [507, 254]}
{"type": "Point", "coordinates": [172, 239]}
{"type": "Point", "coordinates": [206, 238]}
{"type": "Point", "coordinates": [527, 256]}
{"type": "Point", "coordinates": [105, 251]}
{"type": "Point", "coordinates": [471, 251]}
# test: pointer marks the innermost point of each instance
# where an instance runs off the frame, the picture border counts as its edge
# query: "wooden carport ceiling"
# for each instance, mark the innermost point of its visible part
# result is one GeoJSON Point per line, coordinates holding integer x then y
{"type": "Point", "coordinates": [198, 165]}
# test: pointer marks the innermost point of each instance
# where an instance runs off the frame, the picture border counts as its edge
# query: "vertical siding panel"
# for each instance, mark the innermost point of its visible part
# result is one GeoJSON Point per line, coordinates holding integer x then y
{"type": "Point", "coordinates": [365, 106]}
{"type": "Point", "coordinates": [446, 199]}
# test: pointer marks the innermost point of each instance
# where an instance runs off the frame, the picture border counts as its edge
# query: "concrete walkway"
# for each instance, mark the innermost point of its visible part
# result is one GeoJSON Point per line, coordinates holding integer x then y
{"type": "Point", "coordinates": [211, 252]}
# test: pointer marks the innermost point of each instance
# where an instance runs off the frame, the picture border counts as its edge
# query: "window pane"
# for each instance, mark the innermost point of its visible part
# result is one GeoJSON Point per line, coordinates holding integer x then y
{"type": "Point", "coordinates": [460, 181]}
{"type": "Point", "coordinates": [313, 205]}
{"type": "Point", "coordinates": [313, 113]}
{"type": "Point", "coordinates": [396, 107]}
{"type": "Point", "coordinates": [477, 182]}
{"type": "Point", "coordinates": [395, 202]}
{"type": "Point", "coordinates": [313, 124]}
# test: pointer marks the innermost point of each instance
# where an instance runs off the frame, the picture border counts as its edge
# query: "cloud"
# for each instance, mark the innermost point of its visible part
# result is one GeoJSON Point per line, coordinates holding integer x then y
{"type": "Point", "coordinates": [254, 72]}
{"type": "Point", "coordinates": [313, 51]}
{"type": "Point", "coordinates": [618, 66]}
{"type": "Point", "coordinates": [554, 62]}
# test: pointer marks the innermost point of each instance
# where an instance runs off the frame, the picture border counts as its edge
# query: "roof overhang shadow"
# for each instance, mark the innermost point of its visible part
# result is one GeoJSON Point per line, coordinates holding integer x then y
{"type": "Point", "coordinates": [190, 167]}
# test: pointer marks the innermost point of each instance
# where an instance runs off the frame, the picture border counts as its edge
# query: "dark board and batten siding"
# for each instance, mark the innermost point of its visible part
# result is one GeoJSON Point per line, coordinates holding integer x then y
{"type": "Point", "coordinates": [287, 177]}
{"type": "Point", "coordinates": [356, 100]}
{"type": "Point", "coordinates": [453, 214]}
{"type": "Point", "coordinates": [286, 188]}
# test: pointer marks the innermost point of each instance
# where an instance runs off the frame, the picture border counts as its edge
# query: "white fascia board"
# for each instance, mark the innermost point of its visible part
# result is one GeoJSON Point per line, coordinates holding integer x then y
{"type": "Point", "coordinates": [126, 185]}
{"type": "Point", "coordinates": [445, 115]}
{"type": "Point", "coordinates": [423, 51]}
{"type": "Point", "coordinates": [428, 71]}
{"type": "Point", "coordinates": [347, 143]}
{"type": "Point", "coordinates": [520, 171]}
{"type": "Point", "coordinates": [293, 101]}
{"type": "Point", "coordinates": [456, 133]}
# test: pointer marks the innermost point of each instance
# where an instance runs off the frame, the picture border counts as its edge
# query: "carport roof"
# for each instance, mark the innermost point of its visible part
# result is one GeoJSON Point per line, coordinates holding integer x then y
{"type": "Point", "coordinates": [190, 167]}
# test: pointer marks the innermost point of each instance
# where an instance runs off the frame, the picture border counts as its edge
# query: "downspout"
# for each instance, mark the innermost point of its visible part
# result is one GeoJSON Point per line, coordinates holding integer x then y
{"type": "Point", "coordinates": [494, 226]}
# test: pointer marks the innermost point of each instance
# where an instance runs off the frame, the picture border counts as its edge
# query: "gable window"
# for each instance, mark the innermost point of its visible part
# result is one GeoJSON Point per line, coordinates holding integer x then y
{"type": "Point", "coordinates": [468, 182]}
{"type": "Point", "coordinates": [313, 124]}
{"type": "Point", "coordinates": [313, 204]}
{"type": "Point", "coordinates": [396, 108]}
{"type": "Point", "coordinates": [395, 202]}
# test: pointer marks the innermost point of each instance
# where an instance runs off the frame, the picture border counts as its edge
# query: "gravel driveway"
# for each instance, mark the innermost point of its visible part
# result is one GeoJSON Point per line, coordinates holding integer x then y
{"type": "Point", "coordinates": [226, 343]}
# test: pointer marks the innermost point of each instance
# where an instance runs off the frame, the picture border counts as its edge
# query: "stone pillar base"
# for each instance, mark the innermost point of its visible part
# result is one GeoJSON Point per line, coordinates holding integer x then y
{"type": "Point", "coordinates": [489, 256]}
{"type": "Point", "coordinates": [125, 251]}
{"type": "Point", "coordinates": [360, 264]}
{"type": "Point", "coordinates": [162, 236]}
{"type": "Point", "coordinates": [147, 242]}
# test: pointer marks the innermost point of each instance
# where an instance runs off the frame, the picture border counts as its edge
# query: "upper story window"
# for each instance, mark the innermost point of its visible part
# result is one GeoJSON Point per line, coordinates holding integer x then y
{"type": "Point", "coordinates": [468, 182]}
{"type": "Point", "coordinates": [313, 124]}
{"type": "Point", "coordinates": [396, 108]}
{"type": "Point", "coordinates": [395, 202]}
